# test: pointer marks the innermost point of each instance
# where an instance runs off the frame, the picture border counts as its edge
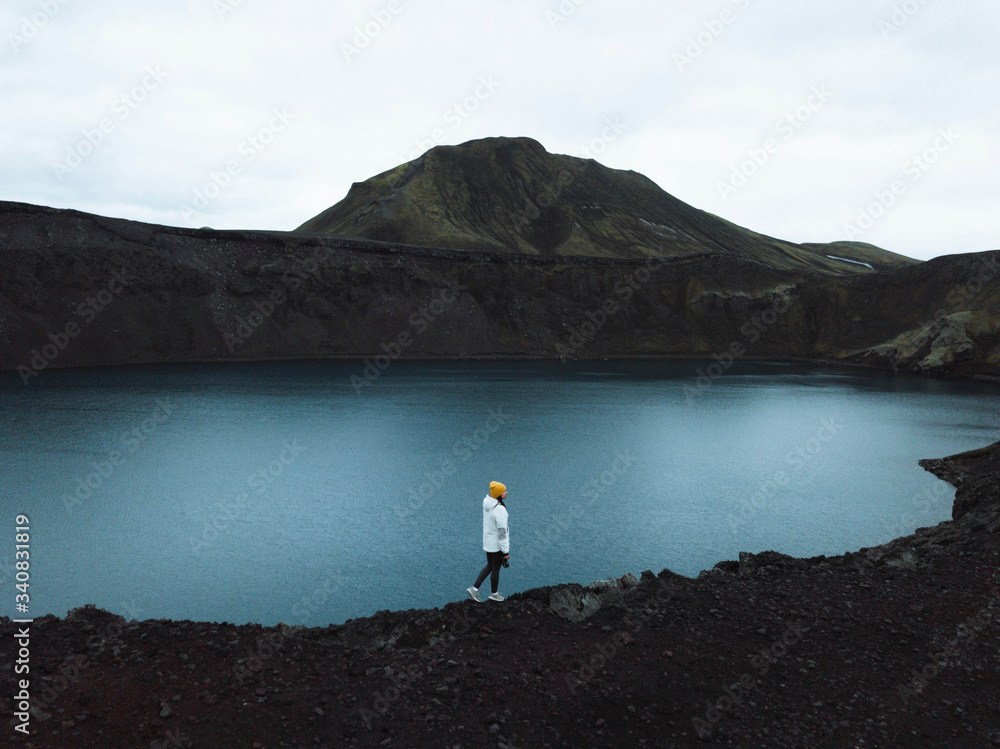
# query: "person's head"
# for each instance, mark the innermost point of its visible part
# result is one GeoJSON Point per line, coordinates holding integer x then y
{"type": "Point", "coordinates": [498, 490]}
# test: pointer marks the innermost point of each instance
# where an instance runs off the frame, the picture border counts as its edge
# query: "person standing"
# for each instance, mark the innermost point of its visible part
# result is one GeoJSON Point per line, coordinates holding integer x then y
{"type": "Point", "coordinates": [496, 541]}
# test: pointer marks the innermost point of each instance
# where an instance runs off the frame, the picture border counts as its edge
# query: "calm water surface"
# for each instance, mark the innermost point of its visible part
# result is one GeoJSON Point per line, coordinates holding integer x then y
{"type": "Point", "coordinates": [278, 493]}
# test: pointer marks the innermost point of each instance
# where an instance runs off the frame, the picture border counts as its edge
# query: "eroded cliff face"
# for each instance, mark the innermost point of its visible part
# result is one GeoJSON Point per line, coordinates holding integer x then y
{"type": "Point", "coordinates": [941, 317]}
{"type": "Point", "coordinates": [82, 290]}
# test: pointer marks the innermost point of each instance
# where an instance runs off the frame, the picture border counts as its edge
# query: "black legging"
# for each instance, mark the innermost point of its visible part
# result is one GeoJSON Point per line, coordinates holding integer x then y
{"type": "Point", "coordinates": [494, 559]}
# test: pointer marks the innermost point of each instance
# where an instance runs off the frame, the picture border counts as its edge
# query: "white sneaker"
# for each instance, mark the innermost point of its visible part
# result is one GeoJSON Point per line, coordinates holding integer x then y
{"type": "Point", "coordinates": [496, 597]}
{"type": "Point", "coordinates": [474, 594]}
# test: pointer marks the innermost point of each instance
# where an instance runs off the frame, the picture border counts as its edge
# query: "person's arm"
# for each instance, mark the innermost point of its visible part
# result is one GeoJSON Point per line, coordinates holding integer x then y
{"type": "Point", "coordinates": [503, 532]}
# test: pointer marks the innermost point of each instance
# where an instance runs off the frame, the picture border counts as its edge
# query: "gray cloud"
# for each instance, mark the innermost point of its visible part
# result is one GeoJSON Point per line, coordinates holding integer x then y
{"type": "Point", "coordinates": [75, 79]}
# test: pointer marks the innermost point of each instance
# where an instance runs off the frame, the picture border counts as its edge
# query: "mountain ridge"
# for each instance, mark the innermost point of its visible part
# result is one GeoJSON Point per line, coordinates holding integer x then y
{"type": "Point", "coordinates": [511, 195]}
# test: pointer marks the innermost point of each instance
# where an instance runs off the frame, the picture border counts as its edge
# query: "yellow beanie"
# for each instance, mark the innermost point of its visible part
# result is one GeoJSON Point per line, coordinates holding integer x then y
{"type": "Point", "coordinates": [496, 489]}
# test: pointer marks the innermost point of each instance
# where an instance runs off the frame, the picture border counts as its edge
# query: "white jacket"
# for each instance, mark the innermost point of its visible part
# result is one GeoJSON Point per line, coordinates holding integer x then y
{"type": "Point", "coordinates": [496, 534]}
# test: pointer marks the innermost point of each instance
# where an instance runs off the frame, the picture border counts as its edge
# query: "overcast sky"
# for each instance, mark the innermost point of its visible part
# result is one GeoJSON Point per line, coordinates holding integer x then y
{"type": "Point", "coordinates": [802, 119]}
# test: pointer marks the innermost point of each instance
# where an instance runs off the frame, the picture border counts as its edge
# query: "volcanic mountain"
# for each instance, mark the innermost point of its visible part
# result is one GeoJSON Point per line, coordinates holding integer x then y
{"type": "Point", "coordinates": [511, 195]}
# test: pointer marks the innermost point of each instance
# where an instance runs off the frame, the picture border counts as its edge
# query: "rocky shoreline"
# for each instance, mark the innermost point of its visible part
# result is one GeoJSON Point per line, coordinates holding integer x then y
{"type": "Point", "coordinates": [891, 646]}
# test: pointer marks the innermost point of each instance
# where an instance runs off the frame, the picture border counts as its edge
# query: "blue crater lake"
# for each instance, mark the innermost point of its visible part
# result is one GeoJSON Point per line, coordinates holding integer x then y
{"type": "Point", "coordinates": [280, 492]}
